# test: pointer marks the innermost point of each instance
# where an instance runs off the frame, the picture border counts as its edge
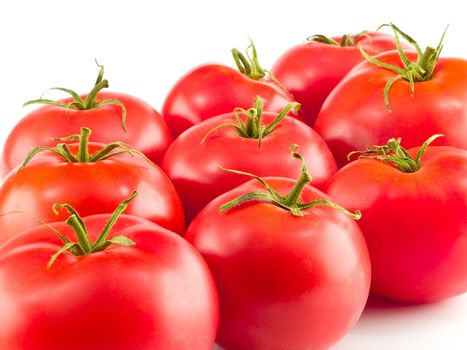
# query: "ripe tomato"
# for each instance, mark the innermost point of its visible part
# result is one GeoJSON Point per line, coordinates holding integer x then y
{"type": "Point", "coordinates": [92, 187]}
{"type": "Point", "coordinates": [192, 162]}
{"type": "Point", "coordinates": [212, 89]}
{"type": "Point", "coordinates": [356, 116]}
{"type": "Point", "coordinates": [157, 293]}
{"type": "Point", "coordinates": [414, 222]}
{"type": "Point", "coordinates": [285, 281]}
{"type": "Point", "coordinates": [311, 70]}
{"type": "Point", "coordinates": [146, 131]}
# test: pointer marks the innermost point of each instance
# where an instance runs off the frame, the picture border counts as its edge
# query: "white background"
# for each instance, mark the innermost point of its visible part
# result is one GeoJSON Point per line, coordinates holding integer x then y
{"type": "Point", "coordinates": [146, 45]}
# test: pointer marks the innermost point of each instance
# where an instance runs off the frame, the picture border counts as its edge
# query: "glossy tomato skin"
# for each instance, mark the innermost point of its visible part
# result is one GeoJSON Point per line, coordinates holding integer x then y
{"type": "Point", "coordinates": [156, 294]}
{"type": "Point", "coordinates": [91, 188]}
{"type": "Point", "coordinates": [311, 70]}
{"type": "Point", "coordinates": [415, 224]}
{"type": "Point", "coordinates": [211, 90]}
{"type": "Point", "coordinates": [194, 169]}
{"type": "Point", "coordinates": [146, 129]}
{"type": "Point", "coordinates": [354, 115]}
{"type": "Point", "coordinates": [284, 282]}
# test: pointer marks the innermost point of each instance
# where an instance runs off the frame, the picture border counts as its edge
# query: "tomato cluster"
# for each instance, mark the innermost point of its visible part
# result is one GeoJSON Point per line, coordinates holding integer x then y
{"type": "Point", "coordinates": [261, 207]}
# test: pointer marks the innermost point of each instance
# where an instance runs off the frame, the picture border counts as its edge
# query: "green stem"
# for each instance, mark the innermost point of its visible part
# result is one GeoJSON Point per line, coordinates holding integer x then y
{"type": "Point", "coordinates": [84, 246]}
{"type": "Point", "coordinates": [83, 155]}
{"type": "Point", "coordinates": [253, 128]}
{"type": "Point", "coordinates": [249, 64]}
{"type": "Point", "coordinates": [420, 70]}
{"type": "Point", "coordinates": [395, 154]}
{"type": "Point", "coordinates": [83, 149]}
{"type": "Point", "coordinates": [80, 229]}
{"type": "Point", "coordinates": [90, 102]}
{"type": "Point", "coordinates": [113, 219]}
{"type": "Point", "coordinates": [347, 40]}
{"type": "Point", "coordinates": [292, 201]}
{"type": "Point", "coordinates": [293, 198]}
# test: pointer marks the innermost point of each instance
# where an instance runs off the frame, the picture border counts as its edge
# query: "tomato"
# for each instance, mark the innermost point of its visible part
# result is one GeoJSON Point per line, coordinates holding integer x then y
{"type": "Point", "coordinates": [285, 281]}
{"type": "Point", "coordinates": [145, 129]}
{"type": "Point", "coordinates": [414, 221]}
{"type": "Point", "coordinates": [312, 69]}
{"type": "Point", "coordinates": [91, 186]}
{"type": "Point", "coordinates": [356, 116]}
{"type": "Point", "coordinates": [213, 89]}
{"type": "Point", "coordinates": [193, 161]}
{"type": "Point", "coordinates": [152, 291]}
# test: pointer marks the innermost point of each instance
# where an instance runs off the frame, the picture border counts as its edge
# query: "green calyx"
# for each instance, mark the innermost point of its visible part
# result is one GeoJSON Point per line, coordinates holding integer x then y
{"type": "Point", "coordinates": [413, 72]}
{"type": "Point", "coordinates": [248, 64]}
{"type": "Point", "coordinates": [84, 246]}
{"type": "Point", "coordinates": [253, 127]}
{"type": "Point", "coordinates": [83, 155]}
{"type": "Point", "coordinates": [291, 201]}
{"type": "Point", "coordinates": [90, 102]}
{"type": "Point", "coordinates": [348, 40]}
{"type": "Point", "coordinates": [395, 154]}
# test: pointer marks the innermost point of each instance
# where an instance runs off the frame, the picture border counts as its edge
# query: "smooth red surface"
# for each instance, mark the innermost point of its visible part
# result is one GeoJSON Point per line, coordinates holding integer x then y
{"type": "Point", "coordinates": [157, 294]}
{"type": "Point", "coordinates": [354, 115]}
{"type": "Point", "coordinates": [194, 169]}
{"type": "Point", "coordinates": [415, 224]}
{"type": "Point", "coordinates": [212, 89]}
{"type": "Point", "coordinates": [91, 188]}
{"type": "Point", "coordinates": [311, 70]}
{"type": "Point", "coordinates": [146, 130]}
{"type": "Point", "coordinates": [284, 282]}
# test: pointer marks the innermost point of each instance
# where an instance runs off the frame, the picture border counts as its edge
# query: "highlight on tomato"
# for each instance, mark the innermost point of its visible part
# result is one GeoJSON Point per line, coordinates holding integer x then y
{"type": "Point", "coordinates": [213, 89]}
{"type": "Point", "coordinates": [292, 268]}
{"type": "Point", "coordinates": [414, 205]}
{"type": "Point", "coordinates": [106, 281]}
{"type": "Point", "coordinates": [111, 115]}
{"type": "Point", "coordinates": [92, 177]}
{"type": "Point", "coordinates": [253, 140]}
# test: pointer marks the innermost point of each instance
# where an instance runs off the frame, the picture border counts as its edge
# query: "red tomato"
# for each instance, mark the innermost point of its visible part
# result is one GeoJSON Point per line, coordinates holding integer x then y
{"type": "Point", "coordinates": [311, 70]}
{"type": "Point", "coordinates": [91, 187]}
{"type": "Point", "coordinates": [414, 222]}
{"type": "Point", "coordinates": [284, 281]}
{"type": "Point", "coordinates": [212, 89]}
{"type": "Point", "coordinates": [355, 115]}
{"type": "Point", "coordinates": [193, 165]}
{"type": "Point", "coordinates": [145, 128]}
{"type": "Point", "coordinates": [155, 294]}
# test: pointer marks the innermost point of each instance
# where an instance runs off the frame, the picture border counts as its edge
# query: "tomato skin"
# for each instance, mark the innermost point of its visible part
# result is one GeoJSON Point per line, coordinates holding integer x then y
{"type": "Point", "coordinates": [91, 188]}
{"type": "Point", "coordinates": [414, 223]}
{"type": "Point", "coordinates": [311, 70]}
{"type": "Point", "coordinates": [157, 294]}
{"type": "Point", "coordinates": [194, 169]}
{"type": "Point", "coordinates": [211, 90]}
{"type": "Point", "coordinates": [146, 129]}
{"type": "Point", "coordinates": [284, 282]}
{"type": "Point", "coordinates": [354, 115]}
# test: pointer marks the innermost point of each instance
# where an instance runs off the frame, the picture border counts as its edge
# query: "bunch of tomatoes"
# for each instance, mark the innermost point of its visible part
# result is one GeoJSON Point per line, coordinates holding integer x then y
{"type": "Point", "coordinates": [257, 211]}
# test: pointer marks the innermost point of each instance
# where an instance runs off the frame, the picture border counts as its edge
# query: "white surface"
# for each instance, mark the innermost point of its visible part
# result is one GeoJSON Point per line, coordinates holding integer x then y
{"type": "Point", "coordinates": [146, 46]}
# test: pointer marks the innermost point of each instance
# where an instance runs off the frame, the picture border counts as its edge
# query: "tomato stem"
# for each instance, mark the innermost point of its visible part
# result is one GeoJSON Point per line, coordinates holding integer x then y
{"type": "Point", "coordinates": [412, 72]}
{"type": "Point", "coordinates": [83, 150]}
{"type": "Point", "coordinates": [395, 154]}
{"type": "Point", "coordinates": [346, 39]}
{"type": "Point", "coordinates": [83, 155]}
{"type": "Point", "coordinates": [90, 102]}
{"type": "Point", "coordinates": [253, 127]}
{"type": "Point", "coordinates": [291, 201]}
{"type": "Point", "coordinates": [84, 246]}
{"type": "Point", "coordinates": [248, 64]}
